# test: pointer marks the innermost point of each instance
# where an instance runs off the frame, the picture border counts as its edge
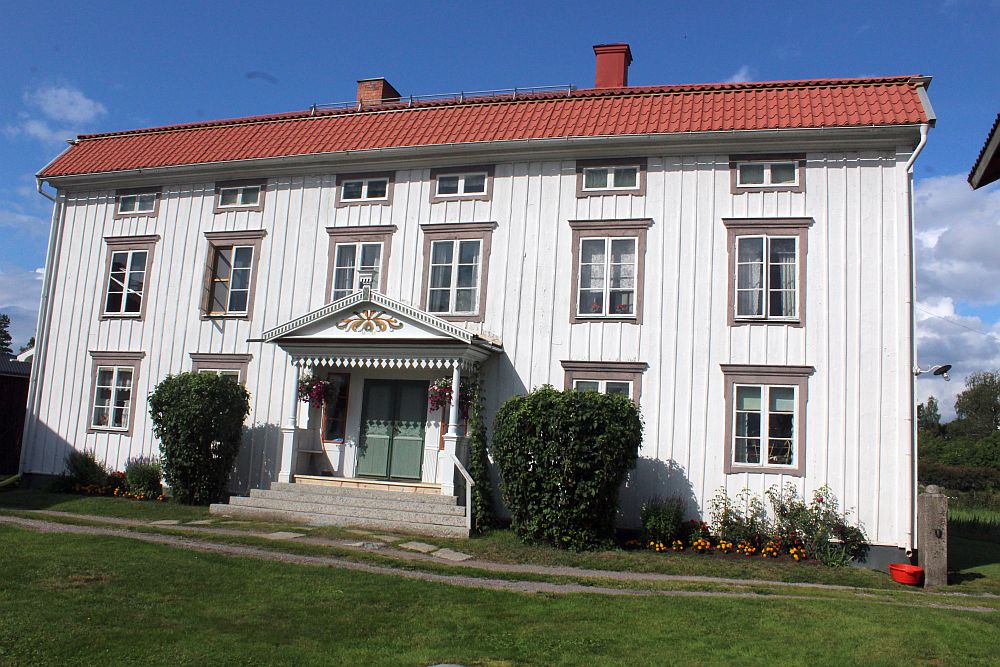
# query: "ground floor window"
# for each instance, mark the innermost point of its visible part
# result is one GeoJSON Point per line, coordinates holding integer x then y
{"type": "Point", "coordinates": [335, 408]}
{"type": "Point", "coordinates": [115, 377]}
{"type": "Point", "coordinates": [607, 377]}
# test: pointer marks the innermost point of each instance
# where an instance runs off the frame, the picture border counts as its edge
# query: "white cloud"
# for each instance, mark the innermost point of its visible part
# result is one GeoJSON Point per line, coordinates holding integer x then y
{"type": "Point", "coordinates": [20, 291]}
{"type": "Point", "coordinates": [14, 218]}
{"type": "Point", "coordinates": [744, 73]}
{"type": "Point", "coordinates": [64, 104]}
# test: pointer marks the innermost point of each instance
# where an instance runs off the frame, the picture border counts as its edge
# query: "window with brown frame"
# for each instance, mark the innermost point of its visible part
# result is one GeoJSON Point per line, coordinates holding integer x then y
{"type": "Point", "coordinates": [607, 377]}
{"type": "Point", "coordinates": [767, 173]}
{"type": "Point", "coordinates": [137, 201]}
{"type": "Point", "coordinates": [619, 176]}
{"type": "Point", "coordinates": [126, 286]}
{"type": "Point", "coordinates": [228, 365]}
{"type": "Point", "coordinates": [767, 270]}
{"type": "Point", "coordinates": [114, 379]}
{"type": "Point", "coordinates": [335, 408]}
{"type": "Point", "coordinates": [766, 418]}
{"type": "Point", "coordinates": [462, 183]}
{"type": "Point", "coordinates": [456, 269]}
{"type": "Point", "coordinates": [231, 274]}
{"type": "Point", "coordinates": [246, 195]}
{"type": "Point", "coordinates": [353, 250]}
{"type": "Point", "coordinates": [608, 263]}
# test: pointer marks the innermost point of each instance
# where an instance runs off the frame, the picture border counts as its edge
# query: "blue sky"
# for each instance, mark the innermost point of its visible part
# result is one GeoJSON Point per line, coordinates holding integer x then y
{"type": "Point", "coordinates": [73, 67]}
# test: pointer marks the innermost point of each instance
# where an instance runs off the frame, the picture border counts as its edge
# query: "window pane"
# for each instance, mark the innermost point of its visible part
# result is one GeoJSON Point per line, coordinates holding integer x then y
{"type": "Point", "coordinates": [622, 302]}
{"type": "Point", "coordinates": [119, 261]}
{"type": "Point", "coordinates": [438, 301]}
{"type": "Point", "coordinates": [114, 302]}
{"type": "Point", "coordinates": [447, 185]}
{"type": "Point", "coordinates": [223, 267]}
{"type": "Point", "coordinates": [782, 304]}
{"type": "Point", "coordinates": [377, 188]}
{"type": "Point", "coordinates": [441, 252]}
{"type": "Point", "coordinates": [587, 385]}
{"type": "Point", "coordinates": [124, 378]}
{"type": "Point", "coordinates": [229, 197]}
{"type": "Point", "coordinates": [751, 174]}
{"type": "Point", "coordinates": [138, 260]}
{"type": "Point", "coordinates": [242, 256]}
{"type": "Point", "coordinates": [623, 388]}
{"type": "Point", "coordinates": [779, 452]}
{"type": "Point", "coordinates": [468, 252]}
{"type": "Point", "coordinates": [241, 279]}
{"type": "Point", "coordinates": [250, 195]}
{"type": "Point", "coordinates": [147, 202]}
{"type": "Point", "coordinates": [750, 249]}
{"type": "Point", "coordinates": [465, 301]}
{"type": "Point", "coordinates": [475, 183]}
{"type": "Point", "coordinates": [343, 282]}
{"type": "Point", "coordinates": [335, 410]}
{"type": "Point", "coordinates": [626, 177]}
{"type": "Point", "coordinates": [749, 303]}
{"type": "Point", "coordinates": [238, 301]}
{"type": "Point", "coordinates": [232, 375]}
{"type": "Point", "coordinates": [747, 450]}
{"type": "Point", "coordinates": [440, 276]}
{"type": "Point", "coordinates": [127, 203]}
{"type": "Point", "coordinates": [345, 255]}
{"type": "Point", "coordinates": [782, 250]}
{"type": "Point", "coordinates": [466, 276]}
{"type": "Point", "coordinates": [595, 179]}
{"type": "Point", "coordinates": [591, 302]}
{"type": "Point", "coordinates": [351, 190]}
{"type": "Point", "coordinates": [592, 251]}
{"type": "Point", "coordinates": [782, 400]}
{"type": "Point", "coordinates": [133, 302]}
{"type": "Point", "coordinates": [592, 276]}
{"type": "Point", "coordinates": [623, 251]}
{"type": "Point", "coordinates": [370, 254]}
{"type": "Point", "coordinates": [748, 398]}
{"type": "Point", "coordinates": [782, 173]}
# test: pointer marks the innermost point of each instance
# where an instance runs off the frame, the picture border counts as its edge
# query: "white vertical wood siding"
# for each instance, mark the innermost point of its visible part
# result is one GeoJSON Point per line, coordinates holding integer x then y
{"type": "Point", "coordinates": [856, 334]}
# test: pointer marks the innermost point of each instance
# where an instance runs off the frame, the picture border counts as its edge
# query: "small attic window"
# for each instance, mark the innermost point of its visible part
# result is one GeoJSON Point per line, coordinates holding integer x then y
{"type": "Point", "coordinates": [783, 173]}
{"type": "Point", "coordinates": [136, 202]}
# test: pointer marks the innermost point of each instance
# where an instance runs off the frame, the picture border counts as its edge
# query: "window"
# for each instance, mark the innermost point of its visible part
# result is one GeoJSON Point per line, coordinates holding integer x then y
{"type": "Point", "coordinates": [608, 270]}
{"type": "Point", "coordinates": [114, 379]}
{"type": "Point", "coordinates": [335, 408]}
{"type": "Point", "coordinates": [454, 278]}
{"type": "Point", "coordinates": [766, 418]}
{"type": "Point", "coordinates": [611, 177]}
{"type": "Point", "coordinates": [143, 201]}
{"type": "Point", "coordinates": [767, 270]}
{"type": "Point", "coordinates": [351, 260]}
{"type": "Point", "coordinates": [607, 377]}
{"type": "Point", "coordinates": [364, 188]}
{"type": "Point", "coordinates": [767, 173]}
{"type": "Point", "coordinates": [456, 262]}
{"type": "Point", "coordinates": [353, 249]}
{"type": "Point", "coordinates": [461, 183]}
{"type": "Point", "coordinates": [240, 196]}
{"type": "Point", "coordinates": [231, 273]}
{"type": "Point", "coordinates": [227, 365]}
{"type": "Point", "coordinates": [127, 276]}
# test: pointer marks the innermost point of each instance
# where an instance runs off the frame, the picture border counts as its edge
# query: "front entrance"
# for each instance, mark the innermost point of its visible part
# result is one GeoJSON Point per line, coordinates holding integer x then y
{"type": "Point", "coordinates": [393, 420]}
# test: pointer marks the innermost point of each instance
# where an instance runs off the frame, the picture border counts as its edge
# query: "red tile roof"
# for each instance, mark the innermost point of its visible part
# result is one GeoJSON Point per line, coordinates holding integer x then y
{"type": "Point", "coordinates": [635, 110]}
{"type": "Point", "coordinates": [986, 170]}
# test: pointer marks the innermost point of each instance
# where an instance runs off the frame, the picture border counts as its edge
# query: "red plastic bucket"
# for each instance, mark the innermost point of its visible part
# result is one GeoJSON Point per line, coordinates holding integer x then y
{"type": "Point", "coordinates": [911, 575]}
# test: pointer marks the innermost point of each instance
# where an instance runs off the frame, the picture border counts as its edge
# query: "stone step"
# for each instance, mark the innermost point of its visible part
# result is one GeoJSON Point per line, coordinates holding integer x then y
{"type": "Point", "coordinates": [336, 491]}
{"type": "Point", "coordinates": [403, 503]}
{"type": "Point", "coordinates": [312, 519]}
{"type": "Point", "coordinates": [375, 513]}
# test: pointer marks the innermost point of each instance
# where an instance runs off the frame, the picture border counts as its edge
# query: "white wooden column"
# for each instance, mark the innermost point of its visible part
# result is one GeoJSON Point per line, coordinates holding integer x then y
{"type": "Point", "coordinates": [289, 433]}
{"type": "Point", "coordinates": [446, 464]}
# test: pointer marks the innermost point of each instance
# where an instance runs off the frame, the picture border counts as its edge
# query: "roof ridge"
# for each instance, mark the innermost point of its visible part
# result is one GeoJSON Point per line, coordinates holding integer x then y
{"type": "Point", "coordinates": [583, 93]}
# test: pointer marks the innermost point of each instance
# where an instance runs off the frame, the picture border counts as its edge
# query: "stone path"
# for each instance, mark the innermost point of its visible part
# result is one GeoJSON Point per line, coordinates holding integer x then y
{"type": "Point", "coordinates": [185, 542]}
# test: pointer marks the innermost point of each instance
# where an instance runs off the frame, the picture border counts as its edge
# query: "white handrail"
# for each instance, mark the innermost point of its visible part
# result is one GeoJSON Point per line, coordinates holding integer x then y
{"type": "Point", "coordinates": [468, 490]}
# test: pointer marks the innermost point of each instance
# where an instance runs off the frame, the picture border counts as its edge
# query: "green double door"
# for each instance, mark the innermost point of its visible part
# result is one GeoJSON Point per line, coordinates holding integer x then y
{"type": "Point", "coordinates": [393, 420]}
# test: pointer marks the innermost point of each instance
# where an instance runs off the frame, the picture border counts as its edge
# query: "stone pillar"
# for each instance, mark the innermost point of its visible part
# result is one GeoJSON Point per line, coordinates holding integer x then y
{"type": "Point", "coordinates": [289, 434]}
{"type": "Point", "coordinates": [446, 465]}
{"type": "Point", "coordinates": [932, 537]}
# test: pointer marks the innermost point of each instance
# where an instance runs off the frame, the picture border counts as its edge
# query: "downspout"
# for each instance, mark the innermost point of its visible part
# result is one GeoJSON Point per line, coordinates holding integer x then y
{"type": "Point", "coordinates": [911, 530]}
{"type": "Point", "coordinates": [44, 317]}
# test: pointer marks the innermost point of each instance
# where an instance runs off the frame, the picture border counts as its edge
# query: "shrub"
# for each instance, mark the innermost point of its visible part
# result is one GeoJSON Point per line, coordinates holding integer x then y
{"type": "Point", "coordinates": [959, 478]}
{"type": "Point", "coordinates": [83, 469]}
{"type": "Point", "coordinates": [562, 457]}
{"type": "Point", "coordinates": [743, 519]}
{"type": "Point", "coordinates": [662, 520]}
{"type": "Point", "coordinates": [142, 477]}
{"type": "Point", "coordinates": [818, 525]}
{"type": "Point", "coordinates": [198, 418]}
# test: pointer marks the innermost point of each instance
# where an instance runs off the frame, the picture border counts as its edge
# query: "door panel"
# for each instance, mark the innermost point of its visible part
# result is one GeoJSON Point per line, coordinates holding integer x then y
{"type": "Point", "coordinates": [376, 429]}
{"type": "Point", "coordinates": [393, 426]}
{"type": "Point", "coordinates": [408, 439]}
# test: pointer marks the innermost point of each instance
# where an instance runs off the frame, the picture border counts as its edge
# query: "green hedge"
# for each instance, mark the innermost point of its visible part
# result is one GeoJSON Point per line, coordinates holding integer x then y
{"type": "Point", "coordinates": [959, 478]}
{"type": "Point", "coordinates": [562, 457]}
{"type": "Point", "coordinates": [198, 418]}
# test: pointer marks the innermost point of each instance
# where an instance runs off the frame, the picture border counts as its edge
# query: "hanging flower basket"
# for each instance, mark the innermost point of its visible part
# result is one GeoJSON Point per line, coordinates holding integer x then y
{"type": "Point", "coordinates": [439, 395]}
{"type": "Point", "coordinates": [314, 391]}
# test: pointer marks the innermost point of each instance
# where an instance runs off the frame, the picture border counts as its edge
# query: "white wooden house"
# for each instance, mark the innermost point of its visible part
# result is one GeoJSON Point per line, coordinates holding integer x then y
{"type": "Point", "coordinates": [736, 257]}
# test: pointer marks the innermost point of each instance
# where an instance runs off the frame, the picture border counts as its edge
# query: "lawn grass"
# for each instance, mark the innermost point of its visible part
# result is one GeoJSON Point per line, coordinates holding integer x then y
{"type": "Point", "coordinates": [974, 565]}
{"type": "Point", "coordinates": [121, 508]}
{"type": "Point", "coordinates": [98, 600]}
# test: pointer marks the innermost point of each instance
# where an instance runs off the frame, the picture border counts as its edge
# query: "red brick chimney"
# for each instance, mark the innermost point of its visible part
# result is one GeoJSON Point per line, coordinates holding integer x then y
{"type": "Point", "coordinates": [612, 65]}
{"type": "Point", "coordinates": [376, 91]}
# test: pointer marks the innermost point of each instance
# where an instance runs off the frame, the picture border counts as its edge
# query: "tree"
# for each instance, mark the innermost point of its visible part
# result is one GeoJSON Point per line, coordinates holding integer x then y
{"type": "Point", "coordinates": [5, 337]}
{"type": "Point", "coordinates": [978, 407]}
{"type": "Point", "coordinates": [27, 346]}
{"type": "Point", "coordinates": [928, 415]}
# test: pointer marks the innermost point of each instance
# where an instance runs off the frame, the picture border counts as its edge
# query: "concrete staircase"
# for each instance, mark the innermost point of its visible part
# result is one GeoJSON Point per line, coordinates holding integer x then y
{"type": "Point", "coordinates": [320, 505]}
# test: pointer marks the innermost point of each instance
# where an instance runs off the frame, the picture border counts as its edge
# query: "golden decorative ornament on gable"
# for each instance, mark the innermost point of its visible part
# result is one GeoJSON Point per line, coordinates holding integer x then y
{"type": "Point", "coordinates": [369, 321]}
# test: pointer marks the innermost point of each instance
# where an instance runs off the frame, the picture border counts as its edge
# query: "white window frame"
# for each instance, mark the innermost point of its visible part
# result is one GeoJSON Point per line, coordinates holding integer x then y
{"type": "Point", "coordinates": [115, 371]}
{"type": "Point", "coordinates": [602, 384]}
{"type": "Point", "coordinates": [137, 199]}
{"type": "Point", "coordinates": [241, 190]}
{"type": "Point", "coordinates": [356, 268]}
{"type": "Point", "coordinates": [765, 429]}
{"type": "Point", "coordinates": [224, 372]}
{"type": "Point", "coordinates": [462, 176]}
{"type": "Point", "coordinates": [365, 182]}
{"type": "Point", "coordinates": [453, 286]}
{"type": "Point", "coordinates": [768, 183]}
{"type": "Point", "coordinates": [610, 180]}
{"type": "Point", "coordinates": [608, 240]}
{"type": "Point", "coordinates": [121, 312]}
{"type": "Point", "coordinates": [766, 282]}
{"type": "Point", "coordinates": [229, 280]}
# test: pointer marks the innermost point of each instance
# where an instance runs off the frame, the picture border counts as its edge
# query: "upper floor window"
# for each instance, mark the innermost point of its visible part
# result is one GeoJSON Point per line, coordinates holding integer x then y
{"type": "Point", "coordinates": [129, 262]}
{"type": "Point", "coordinates": [353, 250]}
{"type": "Point", "coordinates": [232, 272]}
{"type": "Point", "coordinates": [608, 269]}
{"type": "Point", "coordinates": [767, 270]}
{"type": "Point", "coordinates": [140, 201]}
{"type": "Point", "coordinates": [611, 177]}
{"type": "Point", "coordinates": [766, 418]}
{"type": "Point", "coordinates": [364, 188]}
{"type": "Point", "coordinates": [606, 377]}
{"type": "Point", "coordinates": [767, 173]}
{"type": "Point", "coordinates": [239, 196]}
{"type": "Point", "coordinates": [115, 377]}
{"type": "Point", "coordinates": [461, 183]}
{"type": "Point", "coordinates": [456, 257]}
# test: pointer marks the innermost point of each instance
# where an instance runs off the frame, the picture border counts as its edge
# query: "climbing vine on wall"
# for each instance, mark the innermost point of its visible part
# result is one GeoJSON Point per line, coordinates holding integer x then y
{"type": "Point", "coordinates": [479, 464]}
